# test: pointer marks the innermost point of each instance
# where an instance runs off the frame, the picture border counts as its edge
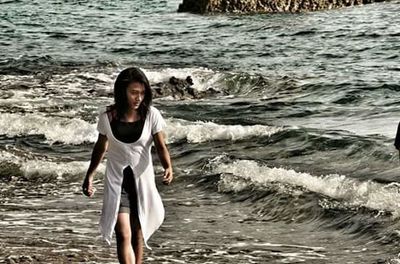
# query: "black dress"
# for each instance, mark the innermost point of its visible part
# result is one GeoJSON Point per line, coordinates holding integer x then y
{"type": "Point", "coordinates": [128, 132]}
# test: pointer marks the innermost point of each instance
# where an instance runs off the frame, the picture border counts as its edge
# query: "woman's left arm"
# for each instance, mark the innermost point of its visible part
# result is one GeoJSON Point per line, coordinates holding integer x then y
{"type": "Point", "coordinates": [164, 156]}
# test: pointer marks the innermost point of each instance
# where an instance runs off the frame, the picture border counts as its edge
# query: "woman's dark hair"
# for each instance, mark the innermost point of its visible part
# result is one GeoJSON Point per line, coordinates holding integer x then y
{"type": "Point", "coordinates": [122, 82]}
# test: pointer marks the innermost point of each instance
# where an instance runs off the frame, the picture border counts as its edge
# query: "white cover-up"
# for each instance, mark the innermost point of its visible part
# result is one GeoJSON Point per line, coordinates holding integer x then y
{"type": "Point", "coordinates": [137, 155]}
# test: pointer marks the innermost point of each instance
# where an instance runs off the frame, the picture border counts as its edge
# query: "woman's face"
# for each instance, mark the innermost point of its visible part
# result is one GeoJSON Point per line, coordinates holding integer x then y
{"type": "Point", "coordinates": [135, 94]}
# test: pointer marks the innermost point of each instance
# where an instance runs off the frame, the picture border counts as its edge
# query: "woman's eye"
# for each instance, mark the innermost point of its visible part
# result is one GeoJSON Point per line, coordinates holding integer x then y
{"type": "Point", "coordinates": [136, 93]}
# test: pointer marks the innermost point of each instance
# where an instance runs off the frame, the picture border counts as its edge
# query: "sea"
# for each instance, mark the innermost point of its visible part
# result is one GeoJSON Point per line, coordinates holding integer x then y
{"type": "Point", "coordinates": [291, 161]}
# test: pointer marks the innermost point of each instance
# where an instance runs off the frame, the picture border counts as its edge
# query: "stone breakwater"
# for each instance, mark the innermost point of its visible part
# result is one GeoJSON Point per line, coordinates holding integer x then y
{"type": "Point", "coordinates": [265, 6]}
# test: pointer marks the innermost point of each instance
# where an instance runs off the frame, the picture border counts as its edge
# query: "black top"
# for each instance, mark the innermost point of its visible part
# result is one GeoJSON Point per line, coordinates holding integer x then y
{"type": "Point", "coordinates": [127, 132]}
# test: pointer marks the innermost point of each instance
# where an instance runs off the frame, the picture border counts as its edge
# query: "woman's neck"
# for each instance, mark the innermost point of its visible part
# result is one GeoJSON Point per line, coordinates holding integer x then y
{"type": "Point", "coordinates": [131, 115]}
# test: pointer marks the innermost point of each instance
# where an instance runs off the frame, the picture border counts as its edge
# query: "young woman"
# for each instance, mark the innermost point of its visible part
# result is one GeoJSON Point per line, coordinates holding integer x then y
{"type": "Point", "coordinates": [131, 204]}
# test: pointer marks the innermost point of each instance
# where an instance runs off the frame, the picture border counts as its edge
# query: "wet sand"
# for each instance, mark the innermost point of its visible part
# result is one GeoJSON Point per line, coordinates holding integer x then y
{"type": "Point", "coordinates": [47, 223]}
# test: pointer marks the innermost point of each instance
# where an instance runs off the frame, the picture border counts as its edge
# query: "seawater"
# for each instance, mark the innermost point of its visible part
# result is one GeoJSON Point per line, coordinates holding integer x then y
{"type": "Point", "coordinates": [292, 162]}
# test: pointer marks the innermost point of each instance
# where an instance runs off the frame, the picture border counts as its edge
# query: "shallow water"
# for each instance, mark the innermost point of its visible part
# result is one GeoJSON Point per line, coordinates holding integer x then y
{"type": "Point", "coordinates": [291, 162]}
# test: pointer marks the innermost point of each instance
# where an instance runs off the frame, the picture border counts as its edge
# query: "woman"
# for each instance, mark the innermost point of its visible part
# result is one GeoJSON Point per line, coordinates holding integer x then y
{"type": "Point", "coordinates": [131, 203]}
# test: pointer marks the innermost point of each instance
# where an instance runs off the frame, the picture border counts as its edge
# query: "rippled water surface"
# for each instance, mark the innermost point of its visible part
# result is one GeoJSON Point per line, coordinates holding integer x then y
{"type": "Point", "coordinates": [290, 160]}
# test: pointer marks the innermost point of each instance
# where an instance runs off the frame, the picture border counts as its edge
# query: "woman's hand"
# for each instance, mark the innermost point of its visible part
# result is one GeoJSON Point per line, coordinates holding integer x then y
{"type": "Point", "coordinates": [168, 176]}
{"type": "Point", "coordinates": [164, 156]}
{"type": "Point", "coordinates": [87, 186]}
{"type": "Point", "coordinates": [98, 152]}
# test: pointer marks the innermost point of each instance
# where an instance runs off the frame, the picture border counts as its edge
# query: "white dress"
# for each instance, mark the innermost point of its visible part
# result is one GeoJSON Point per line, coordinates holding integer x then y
{"type": "Point", "coordinates": [137, 155]}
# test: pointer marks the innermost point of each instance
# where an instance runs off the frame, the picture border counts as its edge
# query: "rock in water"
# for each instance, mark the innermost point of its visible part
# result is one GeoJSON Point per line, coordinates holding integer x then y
{"type": "Point", "coordinates": [182, 89]}
{"type": "Point", "coordinates": [264, 6]}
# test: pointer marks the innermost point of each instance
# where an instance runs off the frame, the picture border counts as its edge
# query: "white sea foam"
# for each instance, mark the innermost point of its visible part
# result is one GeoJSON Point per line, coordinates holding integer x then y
{"type": "Point", "coordinates": [59, 169]}
{"type": "Point", "coordinates": [382, 197]}
{"type": "Point", "coordinates": [77, 131]}
{"type": "Point", "coordinates": [31, 167]}
{"type": "Point", "coordinates": [197, 132]}
{"type": "Point", "coordinates": [75, 82]}
{"type": "Point", "coordinates": [202, 77]}
{"type": "Point", "coordinates": [66, 130]}
{"type": "Point", "coordinates": [73, 88]}
{"type": "Point", "coordinates": [29, 88]}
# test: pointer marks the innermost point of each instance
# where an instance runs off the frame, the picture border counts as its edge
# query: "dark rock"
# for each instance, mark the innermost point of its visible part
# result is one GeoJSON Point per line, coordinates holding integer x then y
{"type": "Point", "coordinates": [264, 6]}
{"type": "Point", "coordinates": [181, 89]}
{"type": "Point", "coordinates": [177, 85]}
{"type": "Point", "coordinates": [189, 80]}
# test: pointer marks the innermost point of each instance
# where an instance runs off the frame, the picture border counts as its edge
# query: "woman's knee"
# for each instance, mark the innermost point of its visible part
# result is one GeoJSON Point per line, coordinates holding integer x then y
{"type": "Point", "coordinates": [122, 229]}
{"type": "Point", "coordinates": [123, 235]}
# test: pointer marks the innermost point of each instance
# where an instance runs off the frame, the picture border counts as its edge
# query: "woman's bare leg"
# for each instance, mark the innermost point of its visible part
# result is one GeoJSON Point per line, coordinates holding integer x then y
{"type": "Point", "coordinates": [123, 234]}
{"type": "Point", "coordinates": [137, 238]}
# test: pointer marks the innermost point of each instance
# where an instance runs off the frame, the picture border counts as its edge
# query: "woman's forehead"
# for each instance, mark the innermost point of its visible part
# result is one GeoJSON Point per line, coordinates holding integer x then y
{"type": "Point", "coordinates": [136, 86]}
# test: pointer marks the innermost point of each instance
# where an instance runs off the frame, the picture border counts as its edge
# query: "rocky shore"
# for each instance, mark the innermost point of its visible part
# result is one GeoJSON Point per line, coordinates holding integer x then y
{"type": "Point", "coordinates": [265, 6]}
{"type": "Point", "coordinates": [181, 89]}
{"type": "Point", "coordinates": [175, 88]}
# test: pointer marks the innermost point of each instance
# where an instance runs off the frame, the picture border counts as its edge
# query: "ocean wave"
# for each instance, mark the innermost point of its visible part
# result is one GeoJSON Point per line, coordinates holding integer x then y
{"type": "Point", "coordinates": [203, 78]}
{"type": "Point", "coordinates": [197, 132]}
{"type": "Point", "coordinates": [98, 79]}
{"type": "Point", "coordinates": [20, 165]}
{"type": "Point", "coordinates": [88, 81]}
{"type": "Point", "coordinates": [55, 129]}
{"type": "Point", "coordinates": [241, 174]}
{"type": "Point", "coordinates": [77, 131]}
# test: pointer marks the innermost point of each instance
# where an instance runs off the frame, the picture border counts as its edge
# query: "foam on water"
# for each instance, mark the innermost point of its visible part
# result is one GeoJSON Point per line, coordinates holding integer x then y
{"type": "Point", "coordinates": [197, 132]}
{"type": "Point", "coordinates": [66, 130]}
{"type": "Point", "coordinates": [78, 81]}
{"type": "Point", "coordinates": [31, 167]}
{"type": "Point", "coordinates": [77, 131]}
{"type": "Point", "coordinates": [239, 174]}
{"type": "Point", "coordinates": [203, 78]}
{"type": "Point", "coordinates": [60, 169]}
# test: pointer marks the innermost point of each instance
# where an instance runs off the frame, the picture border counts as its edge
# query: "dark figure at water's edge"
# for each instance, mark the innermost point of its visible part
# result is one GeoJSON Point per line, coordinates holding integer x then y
{"type": "Point", "coordinates": [397, 140]}
{"type": "Point", "coordinates": [132, 205]}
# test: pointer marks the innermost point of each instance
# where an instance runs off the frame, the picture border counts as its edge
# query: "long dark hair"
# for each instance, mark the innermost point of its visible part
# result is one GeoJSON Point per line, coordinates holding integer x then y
{"type": "Point", "coordinates": [122, 82]}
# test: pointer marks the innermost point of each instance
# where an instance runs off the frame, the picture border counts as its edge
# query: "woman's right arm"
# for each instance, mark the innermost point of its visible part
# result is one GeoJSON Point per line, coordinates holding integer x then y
{"type": "Point", "coordinates": [99, 150]}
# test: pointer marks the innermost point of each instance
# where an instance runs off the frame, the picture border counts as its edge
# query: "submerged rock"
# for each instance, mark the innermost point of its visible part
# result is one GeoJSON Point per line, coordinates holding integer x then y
{"type": "Point", "coordinates": [181, 89]}
{"type": "Point", "coordinates": [265, 6]}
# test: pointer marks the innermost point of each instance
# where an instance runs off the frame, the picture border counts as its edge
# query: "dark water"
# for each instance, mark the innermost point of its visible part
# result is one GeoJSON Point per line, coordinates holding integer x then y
{"type": "Point", "coordinates": [293, 162]}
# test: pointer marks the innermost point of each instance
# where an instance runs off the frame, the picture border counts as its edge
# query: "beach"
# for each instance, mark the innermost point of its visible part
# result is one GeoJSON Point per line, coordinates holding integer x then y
{"type": "Point", "coordinates": [284, 154]}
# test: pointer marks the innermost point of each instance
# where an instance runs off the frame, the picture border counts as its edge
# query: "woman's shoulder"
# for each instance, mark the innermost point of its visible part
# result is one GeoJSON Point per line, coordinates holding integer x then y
{"type": "Point", "coordinates": [102, 110]}
{"type": "Point", "coordinates": [108, 111]}
{"type": "Point", "coordinates": [153, 111]}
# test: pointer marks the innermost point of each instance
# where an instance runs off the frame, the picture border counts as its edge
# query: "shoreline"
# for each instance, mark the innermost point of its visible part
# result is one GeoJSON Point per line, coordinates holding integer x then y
{"type": "Point", "coordinates": [201, 226]}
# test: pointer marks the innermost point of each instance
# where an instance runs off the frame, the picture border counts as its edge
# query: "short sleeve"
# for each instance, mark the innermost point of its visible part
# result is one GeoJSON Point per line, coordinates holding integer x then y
{"type": "Point", "coordinates": [101, 125]}
{"type": "Point", "coordinates": [158, 122]}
